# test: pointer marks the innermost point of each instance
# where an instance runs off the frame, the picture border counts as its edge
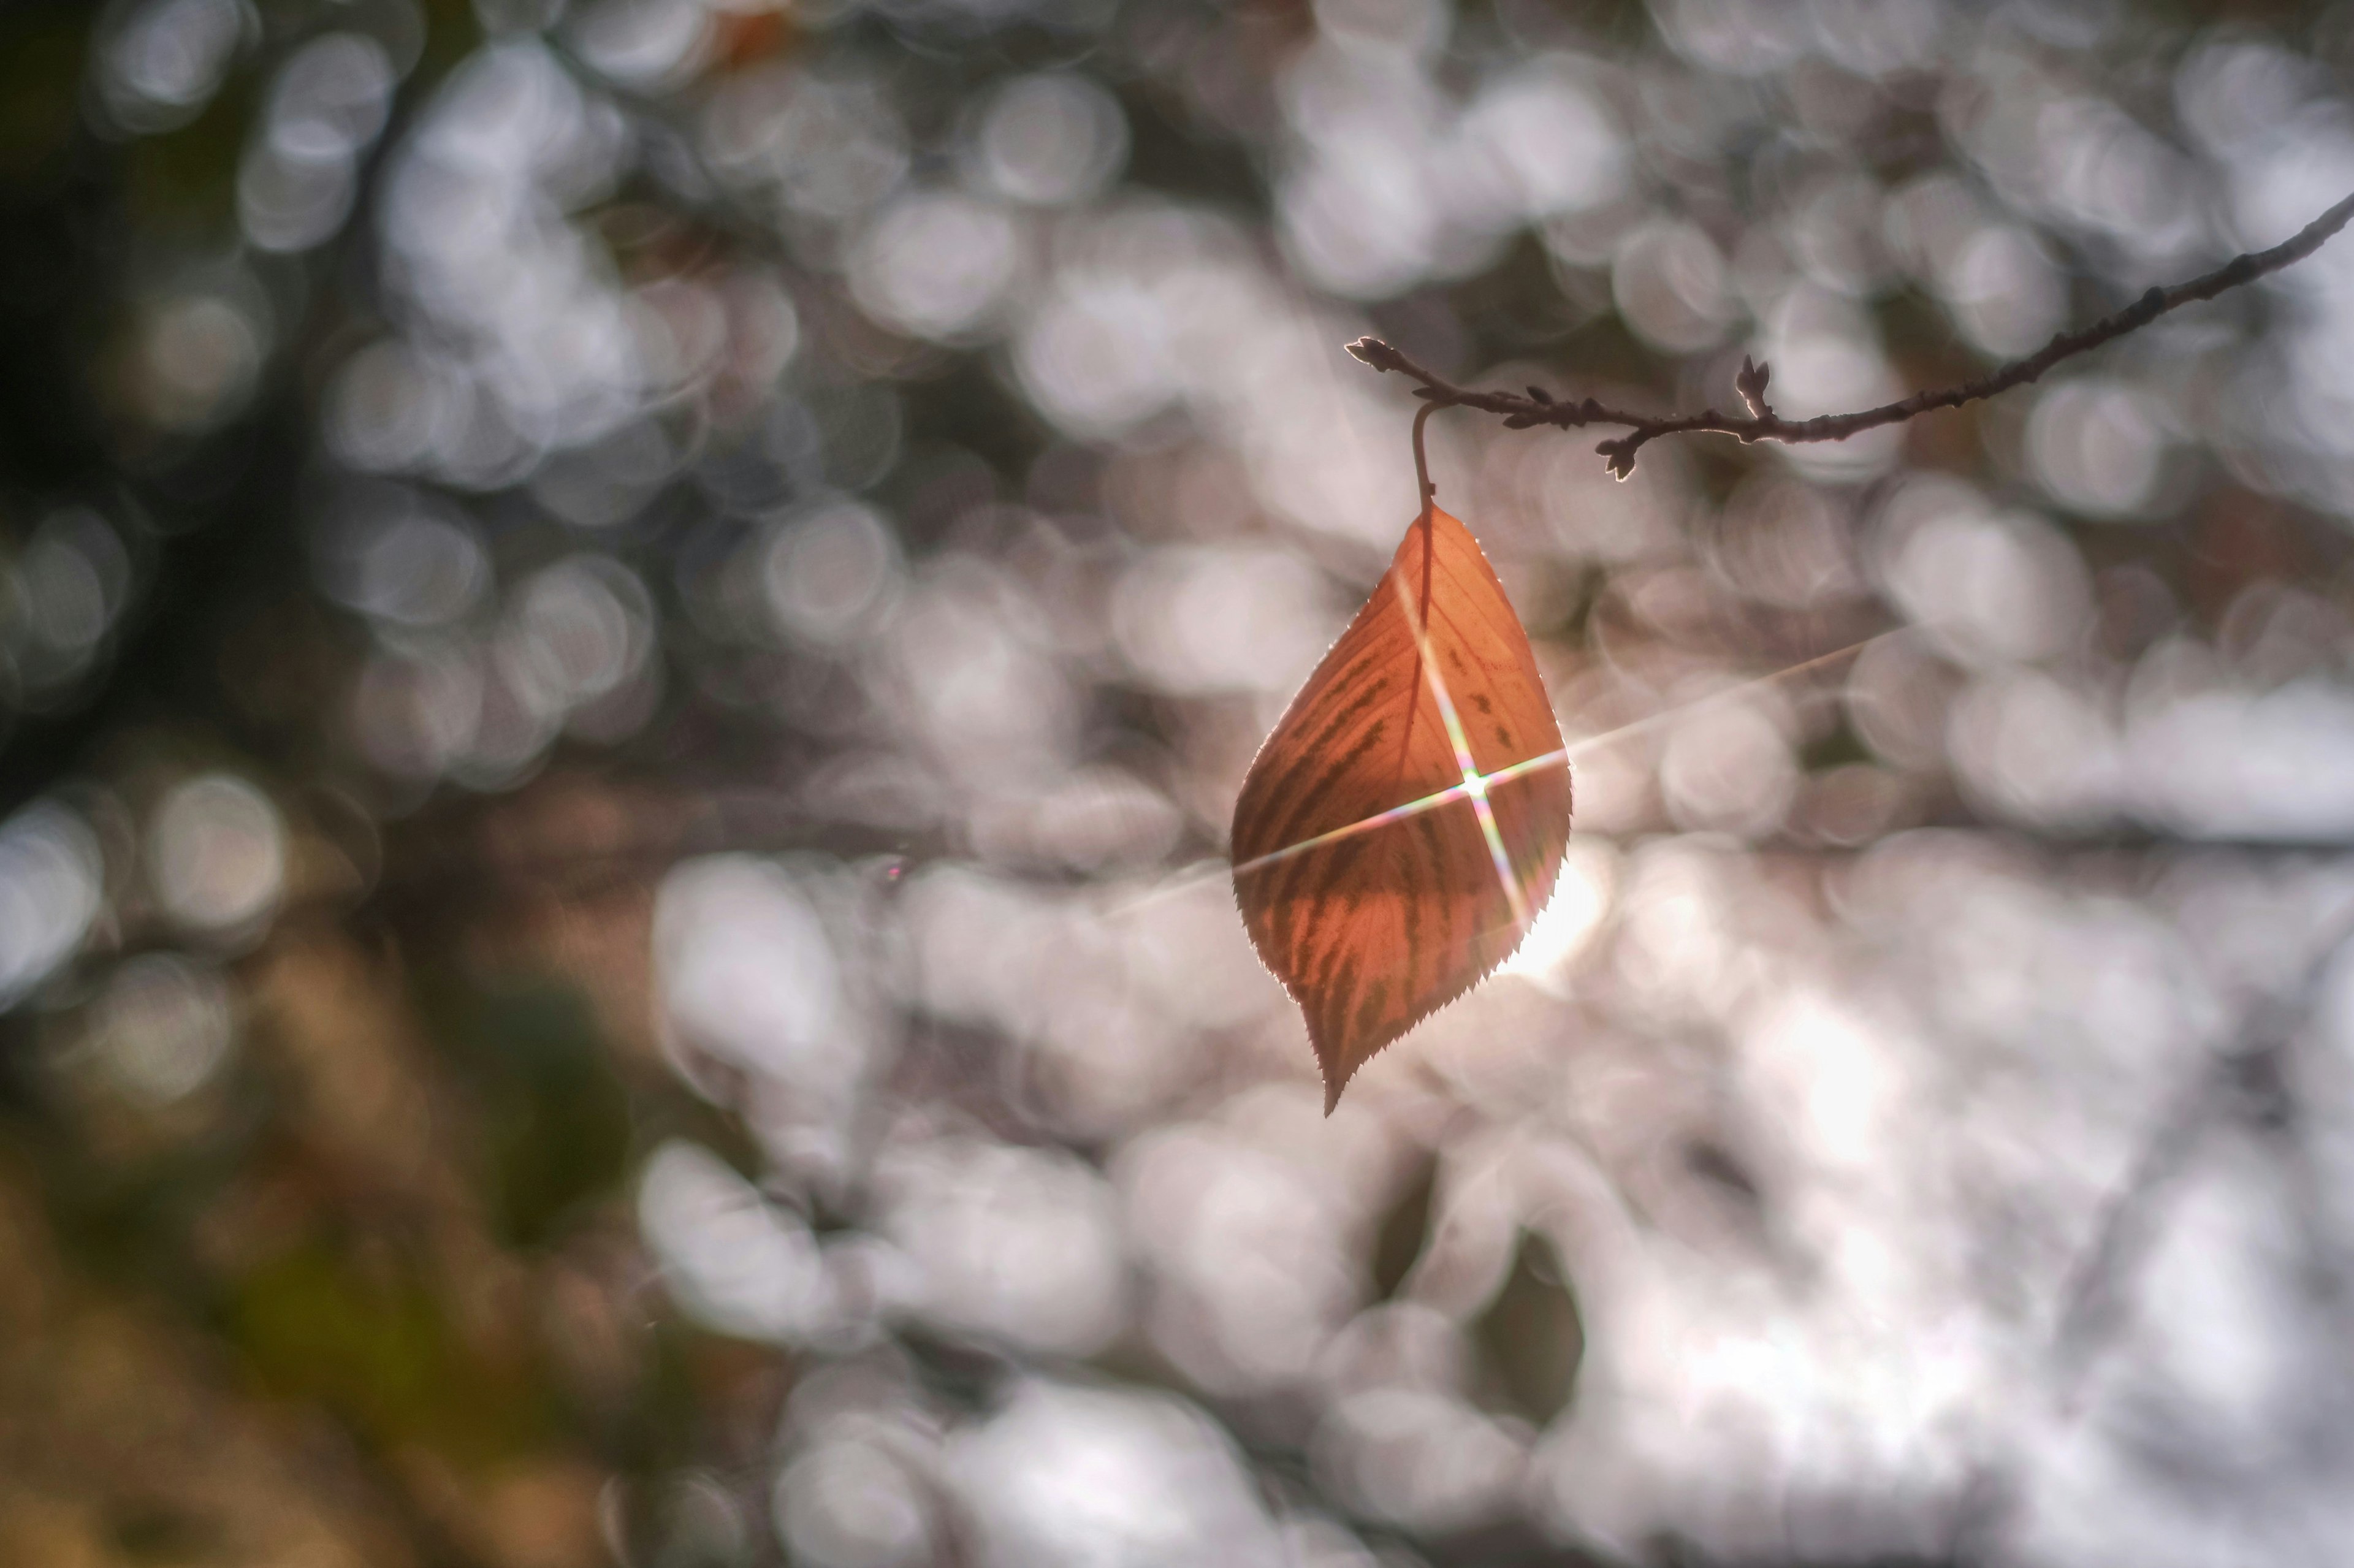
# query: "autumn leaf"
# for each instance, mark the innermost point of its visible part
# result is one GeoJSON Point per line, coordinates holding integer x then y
{"type": "Point", "coordinates": [1404, 825]}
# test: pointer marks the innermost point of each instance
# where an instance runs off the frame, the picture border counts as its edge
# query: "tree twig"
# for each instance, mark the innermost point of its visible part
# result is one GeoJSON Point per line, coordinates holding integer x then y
{"type": "Point", "coordinates": [1539, 408]}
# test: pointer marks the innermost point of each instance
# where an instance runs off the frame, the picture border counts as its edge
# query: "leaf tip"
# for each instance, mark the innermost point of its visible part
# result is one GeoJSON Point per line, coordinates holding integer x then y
{"type": "Point", "coordinates": [1332, 1065]}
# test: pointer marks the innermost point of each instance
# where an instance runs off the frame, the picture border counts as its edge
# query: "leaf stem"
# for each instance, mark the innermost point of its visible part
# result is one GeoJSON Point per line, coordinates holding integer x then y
{"type": "Point", "coordinates": [1425, 492]}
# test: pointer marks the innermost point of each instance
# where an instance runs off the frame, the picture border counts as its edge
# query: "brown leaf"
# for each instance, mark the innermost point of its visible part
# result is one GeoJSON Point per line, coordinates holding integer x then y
{"type": "Point", "coordinates": [1405, 822]}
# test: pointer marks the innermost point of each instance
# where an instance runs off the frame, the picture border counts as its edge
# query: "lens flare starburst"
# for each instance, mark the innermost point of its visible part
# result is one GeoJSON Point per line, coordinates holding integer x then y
{"type": "Point", "coordinates": [1475, 786]}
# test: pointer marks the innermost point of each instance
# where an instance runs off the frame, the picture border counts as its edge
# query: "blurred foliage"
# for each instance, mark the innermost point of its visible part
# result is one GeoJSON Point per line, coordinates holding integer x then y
{"type": "Point", "coordinates": [1532, 1334]}
{"type": "Point", "coordinates": [626, 630]}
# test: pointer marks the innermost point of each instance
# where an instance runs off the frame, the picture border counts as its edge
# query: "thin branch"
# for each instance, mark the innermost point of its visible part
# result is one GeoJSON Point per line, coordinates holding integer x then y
{"type": "Point", "coordinates": [1538, 406]}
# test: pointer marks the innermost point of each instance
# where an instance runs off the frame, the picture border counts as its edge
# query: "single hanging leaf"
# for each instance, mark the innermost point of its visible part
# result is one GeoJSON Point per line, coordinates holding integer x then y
{"type": "Point", "coordinates": [1405, 822]}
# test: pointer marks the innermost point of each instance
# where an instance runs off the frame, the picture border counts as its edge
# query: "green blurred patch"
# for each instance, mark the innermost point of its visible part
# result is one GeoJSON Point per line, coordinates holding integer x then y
{"type": "Point", "coordinates": [184, 180]}
{"type": "Point", "coordinates": [553, 1118]}
{"type": "Point", "coordinates": [1836, 747]}
{"type": "Point", "coordinates": [150, 1531]}
{"type": "Point", "coordinates": [362, 1334]}
{"type": "Point", "coordinates": [451, 33]}
{"type": "Point", "coordinates": [1531, 1335]}
{"type": "Point", "coordinates": [1403, 1230]}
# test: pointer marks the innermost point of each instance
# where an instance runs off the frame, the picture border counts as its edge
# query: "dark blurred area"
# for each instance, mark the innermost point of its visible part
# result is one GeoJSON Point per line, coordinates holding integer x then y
{"type": "Point", "coordinates": [626, 633]}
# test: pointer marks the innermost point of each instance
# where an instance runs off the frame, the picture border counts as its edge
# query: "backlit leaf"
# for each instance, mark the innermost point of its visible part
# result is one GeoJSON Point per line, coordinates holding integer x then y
{"type": "Point", "coordinates": [1405, 822]}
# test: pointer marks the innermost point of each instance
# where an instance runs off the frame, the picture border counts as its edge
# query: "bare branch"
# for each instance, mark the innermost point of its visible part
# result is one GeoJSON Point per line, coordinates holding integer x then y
{"type": "Point", "coordinates": [1538, 408]}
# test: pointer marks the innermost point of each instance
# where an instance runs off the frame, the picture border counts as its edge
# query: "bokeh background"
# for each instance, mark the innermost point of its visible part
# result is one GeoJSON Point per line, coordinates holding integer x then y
{"type": "Point", "coordinates": [628, 628]}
